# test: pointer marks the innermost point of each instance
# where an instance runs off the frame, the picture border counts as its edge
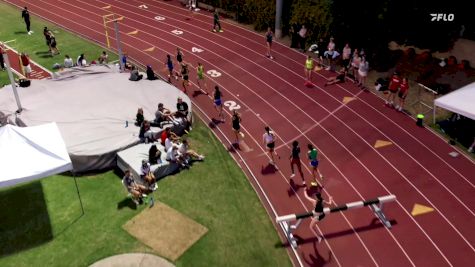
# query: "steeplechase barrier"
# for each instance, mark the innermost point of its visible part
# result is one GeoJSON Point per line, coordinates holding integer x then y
{"type": "Point", "coordinates": [376, 206]}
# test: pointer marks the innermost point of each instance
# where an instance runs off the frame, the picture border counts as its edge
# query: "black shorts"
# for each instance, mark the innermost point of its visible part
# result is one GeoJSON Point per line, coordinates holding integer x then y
{"type": "Point", "coordinates": [401, 95]}
{"type": "Point", "coordinates": [271, 145]}
{"type": "Point", "coordinates": [321, 216]}
{"type": "Point", "coordinates": [185, 77]}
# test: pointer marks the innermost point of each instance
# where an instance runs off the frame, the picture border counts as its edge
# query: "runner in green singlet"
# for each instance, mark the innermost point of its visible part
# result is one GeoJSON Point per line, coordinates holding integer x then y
{"type": "Point", "coordinates": [200, 76]}
{"type": "Point", "coordinates": [313, 158]}
{"type": "Point", "coordinates": [308, 70]}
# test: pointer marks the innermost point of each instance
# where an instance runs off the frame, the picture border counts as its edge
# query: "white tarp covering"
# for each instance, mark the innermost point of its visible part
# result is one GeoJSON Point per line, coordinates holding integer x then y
{"type": "Point", "coordinates": [29, 153]}
{"type": "Point", "coordinates": [461, 101]}
{"type": "Point", "coordinates": [91, 107]}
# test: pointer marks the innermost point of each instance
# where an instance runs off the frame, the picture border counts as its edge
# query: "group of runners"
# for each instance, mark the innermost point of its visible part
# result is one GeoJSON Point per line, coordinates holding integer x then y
{"type": "Point", "coordinates": [269, 137]}
{"type": "Point", "coordinates": [316, 198]}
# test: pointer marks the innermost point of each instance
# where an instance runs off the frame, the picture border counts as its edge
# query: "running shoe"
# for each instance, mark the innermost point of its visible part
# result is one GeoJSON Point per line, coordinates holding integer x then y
{"type": "Point", "coordinates": [221, 31]}
{"type": "Point", "coordinates": [293, 175]}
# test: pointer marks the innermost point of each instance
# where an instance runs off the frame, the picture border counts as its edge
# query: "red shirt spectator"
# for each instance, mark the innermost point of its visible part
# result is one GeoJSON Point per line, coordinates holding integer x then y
{"type": "Point", "coordinates": [163, 137]}
{"type": "Point", "coordinates": [25, 61]}
{"type": "Point", "coordinates": [404, 87]}
{"type": "Point", "coordinates": [395, 83]}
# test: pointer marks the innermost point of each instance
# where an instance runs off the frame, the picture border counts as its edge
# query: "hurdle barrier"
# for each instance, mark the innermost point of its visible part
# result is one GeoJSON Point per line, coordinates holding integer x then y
{"type": "Point", "coordinates": [376, 206]}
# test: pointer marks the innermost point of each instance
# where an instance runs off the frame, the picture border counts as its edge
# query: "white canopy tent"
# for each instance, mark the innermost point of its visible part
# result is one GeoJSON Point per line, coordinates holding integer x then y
{"type": "Point", "coordinates": [460, 101]}
{"type": "Point", "coordinates": [30, 153]}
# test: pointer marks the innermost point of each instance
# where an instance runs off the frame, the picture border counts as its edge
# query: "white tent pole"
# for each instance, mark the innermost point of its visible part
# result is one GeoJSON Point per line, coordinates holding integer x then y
{"type": "Point", "coordinates": [12, 80]}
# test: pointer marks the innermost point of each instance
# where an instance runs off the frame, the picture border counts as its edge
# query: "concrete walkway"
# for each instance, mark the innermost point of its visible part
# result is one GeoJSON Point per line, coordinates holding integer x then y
{"type": "Point", "coordinates": [133, 260]}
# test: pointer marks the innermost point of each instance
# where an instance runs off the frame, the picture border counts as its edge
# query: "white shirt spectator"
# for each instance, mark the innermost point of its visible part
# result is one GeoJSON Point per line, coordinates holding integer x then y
{"type": "Point", "coordinates": [68, 62]}
{"type": "Point", "coordinates": [82, 62]}
{"type": "Point", "coordinates": [182, 149]}
{"type": "Point", "coordinates": [172, 154]}
{"type": "Point", "coordinates": [168, 144]}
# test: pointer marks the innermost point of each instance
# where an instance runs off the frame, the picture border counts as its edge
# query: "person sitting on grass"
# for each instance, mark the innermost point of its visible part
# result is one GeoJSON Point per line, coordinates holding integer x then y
{"type": "Point", "coordinates": [136, 190]}
{"type": "Point", "coordinates": [103, 58]}
{"type": "Point", "coordinates": [147, 175]}
{"type": "Point", "coordinates": [151, 74]}
{"type": "Point", "coordinates": [187, 153]}
{"type": "Point", "coordinates": [167, 133]}
{"type": "Point", "coordinates": [68, 62]}
{"type": "Point", "coordinates": [135, 75]}
{"type": "Point", "coordinates": [340, 78]}
{"type": "Point", "coordinates": [81, 61]}
{"type": "Point", "coordinates": [174, 157]}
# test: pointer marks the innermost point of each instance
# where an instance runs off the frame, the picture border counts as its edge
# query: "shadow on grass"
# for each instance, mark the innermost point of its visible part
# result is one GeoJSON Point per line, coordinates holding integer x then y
{"type": "Point", "coordinates": [20, 32]}
{"type": "Point", "coordinates": [43, 53]}
{"type": "Point", "coordinates": [24, 219]}
{"type": "Point", "coordinates": [126, 202]}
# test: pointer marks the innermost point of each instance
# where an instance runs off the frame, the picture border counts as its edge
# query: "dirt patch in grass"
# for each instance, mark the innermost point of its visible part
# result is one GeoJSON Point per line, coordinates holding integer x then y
{"type": "Point", "coordinates": [164, 229]}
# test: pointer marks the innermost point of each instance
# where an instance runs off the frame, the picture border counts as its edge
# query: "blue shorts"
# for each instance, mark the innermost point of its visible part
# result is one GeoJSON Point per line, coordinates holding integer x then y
{"type": "Point", "coordinates": [217, 102]}
{"type": "Point", "coordinates": [314, 163]}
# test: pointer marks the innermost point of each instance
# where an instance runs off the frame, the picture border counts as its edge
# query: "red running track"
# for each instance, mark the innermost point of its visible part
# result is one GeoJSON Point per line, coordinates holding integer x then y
{"type": "Point", "coordinates": [416, 167]}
